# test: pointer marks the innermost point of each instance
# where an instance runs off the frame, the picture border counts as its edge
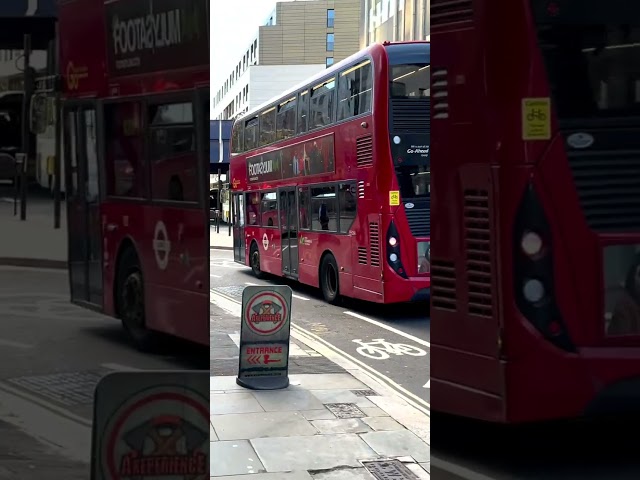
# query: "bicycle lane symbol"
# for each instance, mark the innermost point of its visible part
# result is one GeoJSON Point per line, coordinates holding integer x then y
{"type": "Point", "coordinates": [380, 349]}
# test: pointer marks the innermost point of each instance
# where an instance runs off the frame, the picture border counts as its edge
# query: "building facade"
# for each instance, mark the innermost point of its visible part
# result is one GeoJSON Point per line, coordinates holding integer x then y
{"type": "Point", "coordinates": [394, 21]}
{"type": "Point", "coordinates": [298, 39]}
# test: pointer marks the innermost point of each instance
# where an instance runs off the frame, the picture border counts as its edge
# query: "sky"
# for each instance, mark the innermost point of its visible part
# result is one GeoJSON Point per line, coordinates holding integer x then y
{"type": "Point", "coordinates": [233, 26]}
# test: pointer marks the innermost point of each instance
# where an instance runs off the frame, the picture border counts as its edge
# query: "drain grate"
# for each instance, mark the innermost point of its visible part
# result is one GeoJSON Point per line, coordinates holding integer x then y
{"type": "Point", "coordinates": [389, 470]}
{"type": "Point", "coordinates": [70, 389]}
{"type": "Point", "coordinates": [345, 410]}
{"type": "Point", "coordinates": [233, 291]}
{"type": "Point", "coordinates": [365, 393]}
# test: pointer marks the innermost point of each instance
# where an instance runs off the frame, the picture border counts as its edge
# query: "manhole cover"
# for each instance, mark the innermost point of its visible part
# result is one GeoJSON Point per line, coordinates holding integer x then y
{"type": "Point", "coordinates": [70, 389]}
{"type": "Point", "coordinates": [389, 470]}
{"type": "Point", "coordinates": [364, 393]}
{"type": "Point", "coordinates": [345, 410]}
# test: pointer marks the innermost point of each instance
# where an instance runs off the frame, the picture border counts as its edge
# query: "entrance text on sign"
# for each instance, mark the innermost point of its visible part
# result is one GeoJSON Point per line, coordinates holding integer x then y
{"type": "Point", "coordinates": [263, 350]}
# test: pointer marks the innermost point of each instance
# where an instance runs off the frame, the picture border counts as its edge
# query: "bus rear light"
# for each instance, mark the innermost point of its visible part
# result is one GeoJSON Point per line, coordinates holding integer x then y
{"type": "Point", "coordinates": [533, 272]}
{"type": "Point", "coordinates": [531, 244]}
{"type": "Point", "coordinates": [393, 251]}
{"type": "Point", "coordinates": [533, 290]}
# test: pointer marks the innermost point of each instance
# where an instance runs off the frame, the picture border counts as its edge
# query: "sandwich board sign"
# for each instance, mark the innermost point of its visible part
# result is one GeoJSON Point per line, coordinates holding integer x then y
{"type": "Point", "coordinates": [151, 424]}
{"type": "Point", "coordinates": [264, 337]}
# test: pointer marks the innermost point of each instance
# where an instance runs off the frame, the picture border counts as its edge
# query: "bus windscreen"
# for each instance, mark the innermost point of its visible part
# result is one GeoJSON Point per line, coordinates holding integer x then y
{"type": "Point", "coordinates": [591, 53]}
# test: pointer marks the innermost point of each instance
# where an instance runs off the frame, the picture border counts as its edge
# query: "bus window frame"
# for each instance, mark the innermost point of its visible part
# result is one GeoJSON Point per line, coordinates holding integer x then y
{"type": "Point", "coordinates": [80, 105]}
{"type": "Point", "coordinates": [146, 100]}
{"type": "Point", "coordinates": [307, 87]}
{"type": "Point", "coordinates": [262, 193]}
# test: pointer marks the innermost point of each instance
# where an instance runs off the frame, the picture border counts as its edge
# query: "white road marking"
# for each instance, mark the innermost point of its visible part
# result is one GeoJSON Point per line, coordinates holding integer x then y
{"type": "Point", "coordinates": [120, 368]}
{"type": "Point", "coordinates": [427, 385]}
{"type": "Point", "coordinates": [215, 276]}
{"type": "Point", "coordinates": [11, 343]}
{"type": "Point", "coordinates": [380, 349]}
{"type": "Point", "coordinates": [300, 297]}
{"type": "Point", "coordinates": [251, 284]}
{"type": "Point", "coordinates": [389, 328]}
{"type": "Point", "coordinates": [339, 357]}
{"type": "Point", "coordinates": [346, 361]}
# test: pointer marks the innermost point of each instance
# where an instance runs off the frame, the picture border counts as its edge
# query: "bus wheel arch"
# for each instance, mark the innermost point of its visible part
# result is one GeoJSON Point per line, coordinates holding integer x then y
{"type": "Point", "coordinates": [329, 277]}
{"type": "Point", "coordinates": [129, 297]}
{"type": "Point", "coordinates": [254, 260]}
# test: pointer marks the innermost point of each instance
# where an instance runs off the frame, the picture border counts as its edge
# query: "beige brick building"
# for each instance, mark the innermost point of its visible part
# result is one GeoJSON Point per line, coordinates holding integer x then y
{"type": "Point", "coordinates": [394, 20]}
{"type": "Point", "coordinates": [297, 40]}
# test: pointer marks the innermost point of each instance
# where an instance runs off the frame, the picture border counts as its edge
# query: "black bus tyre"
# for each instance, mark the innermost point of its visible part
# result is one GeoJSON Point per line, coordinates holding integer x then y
{"type": "Point", "coordinates": [254, 261]}
{"type": "Point", "coordinates": [129, 301]}
{"type": "Point", "coordinates": [330, 279]}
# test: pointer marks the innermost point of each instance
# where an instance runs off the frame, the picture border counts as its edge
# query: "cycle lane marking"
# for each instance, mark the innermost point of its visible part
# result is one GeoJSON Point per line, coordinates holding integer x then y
{"type": "Point", "coordinates": [389, 328]}
{"type": "Point", "coordinates": [380, 349]}
{"type": "Point", "coordinates": [333, 353]}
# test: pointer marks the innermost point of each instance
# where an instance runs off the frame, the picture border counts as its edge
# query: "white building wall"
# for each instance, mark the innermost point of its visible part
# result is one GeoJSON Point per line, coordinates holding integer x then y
{"type": "Point", "coordinates": [265, 82]}
{"type": "Point", "coordinates": [9, 58]}
{"type": "Point", "coordinates": [270, 81]}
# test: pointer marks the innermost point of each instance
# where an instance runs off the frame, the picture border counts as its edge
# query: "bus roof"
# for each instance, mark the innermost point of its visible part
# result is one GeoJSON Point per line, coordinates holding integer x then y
{"type": "Point", "coordinates": [324, 73]}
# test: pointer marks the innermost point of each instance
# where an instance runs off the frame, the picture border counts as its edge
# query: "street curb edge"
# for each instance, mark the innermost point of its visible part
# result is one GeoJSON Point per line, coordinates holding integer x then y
{"type": "Point", "coordinates": [33, 263]}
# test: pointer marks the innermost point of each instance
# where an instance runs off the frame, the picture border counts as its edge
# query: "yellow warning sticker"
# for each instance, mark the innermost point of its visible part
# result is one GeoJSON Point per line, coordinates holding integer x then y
{"type": "Point", "coordinates": [536, 118]}
{"type": "Point", "coordinates": [394, 198]}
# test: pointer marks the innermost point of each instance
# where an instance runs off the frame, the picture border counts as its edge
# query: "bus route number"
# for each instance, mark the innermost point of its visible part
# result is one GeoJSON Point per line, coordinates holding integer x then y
{"type": "Point", "coordinates": [394, 198]}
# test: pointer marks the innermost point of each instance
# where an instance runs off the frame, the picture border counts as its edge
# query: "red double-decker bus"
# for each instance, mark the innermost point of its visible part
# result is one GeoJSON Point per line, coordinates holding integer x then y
{"type": "Point", "coordinates": [135, 134]}
{"type": "Point", "coordinates": [331, 179]}
{"type": "Point", "coordinates": [535, 299]}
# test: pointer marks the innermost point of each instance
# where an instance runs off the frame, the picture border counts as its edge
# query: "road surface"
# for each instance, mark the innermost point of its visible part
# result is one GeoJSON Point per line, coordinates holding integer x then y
{"type": "Point", "coordinates": [390, 343]}
{"type": "Point", "coordinates": [52, 355]}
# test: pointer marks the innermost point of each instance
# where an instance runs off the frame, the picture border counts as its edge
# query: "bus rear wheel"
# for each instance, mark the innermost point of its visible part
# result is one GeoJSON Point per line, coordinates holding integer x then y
{"type": "Point", "coordinates": [329, 279]}
{"type": "Point", "coordinates": [130, 302]}
{"type": "Point", "coordinates": [254, 261]}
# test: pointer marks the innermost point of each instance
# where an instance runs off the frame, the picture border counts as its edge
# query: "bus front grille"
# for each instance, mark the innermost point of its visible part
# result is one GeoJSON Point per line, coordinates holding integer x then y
{"type": "Point", "coordinates": [411, 115]}
{"type": "Point", "coordinates": [608, 188]}
{"type": "Point", "coordinates": [419, 220]}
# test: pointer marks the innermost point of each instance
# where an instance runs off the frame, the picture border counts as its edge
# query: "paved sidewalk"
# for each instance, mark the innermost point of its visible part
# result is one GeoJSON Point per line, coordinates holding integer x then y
{"type": "Point", "coordinates": [33, 242]}
{"type": "Point", "coordinates": [221, 240]}
{"type": "Point", "coordinates": [322, 427]}
{"type": "Point", "coordinates": [25, 458]}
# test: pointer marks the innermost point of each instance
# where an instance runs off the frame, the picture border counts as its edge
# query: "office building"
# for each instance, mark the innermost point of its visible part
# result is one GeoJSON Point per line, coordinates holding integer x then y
{"type": "Point", "coordinates": [394, 20]}
{"type": "Point", "coordinates": [298, 39]}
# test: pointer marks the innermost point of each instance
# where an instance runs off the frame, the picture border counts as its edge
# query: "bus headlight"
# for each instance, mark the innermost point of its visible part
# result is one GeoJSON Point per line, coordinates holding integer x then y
{"type": "Point", "coordinates": [533, 290]}
{"type": "Point", "coordinates": [393, 257]}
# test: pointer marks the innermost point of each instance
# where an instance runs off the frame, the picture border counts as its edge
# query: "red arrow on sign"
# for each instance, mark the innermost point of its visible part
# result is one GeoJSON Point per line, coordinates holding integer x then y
{"type": "Point", "coordinates": [253, 359]}
{"type": "Point", "coordinates": [267, 361]}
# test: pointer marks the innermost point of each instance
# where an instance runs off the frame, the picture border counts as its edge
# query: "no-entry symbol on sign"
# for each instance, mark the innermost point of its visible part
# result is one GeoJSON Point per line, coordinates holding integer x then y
{"type": "Point", "coordinates": [266, 313]}
{"type": "Point", "coordinates": [264, 337]}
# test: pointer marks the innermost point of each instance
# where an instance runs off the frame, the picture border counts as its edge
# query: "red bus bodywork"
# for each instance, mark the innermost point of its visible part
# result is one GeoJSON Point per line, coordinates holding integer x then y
{"type": "Point", "coordinates": [168, 238]}
{"type": "Point", "coordinates": [356, 151]}
{"type": "Point", "coordinates": [531, 190]}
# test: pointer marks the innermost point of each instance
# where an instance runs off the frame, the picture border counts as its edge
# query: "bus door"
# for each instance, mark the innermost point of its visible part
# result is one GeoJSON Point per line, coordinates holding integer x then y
{"type": "Point", "coordinates": [80, 154]}
{"type": "Point", "coordinates": [239, 240]}
{"type": "Point", "coordinates": [289, 231]}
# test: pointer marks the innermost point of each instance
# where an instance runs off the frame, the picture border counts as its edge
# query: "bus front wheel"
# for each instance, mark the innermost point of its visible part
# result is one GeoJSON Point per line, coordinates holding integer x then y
{"type": "Point", "coordinates": [130, 302]}
{"type": "Point", "coordinates": [329, 279]}
{"type": "Point", "coordinates": [254, 259]}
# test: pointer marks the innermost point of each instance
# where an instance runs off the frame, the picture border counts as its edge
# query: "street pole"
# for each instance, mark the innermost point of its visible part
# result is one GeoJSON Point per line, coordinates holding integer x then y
{"type": "Point", "coordinates": [26, 103]}
{"type": "Point", "coordinates": [219, 199]}
{"type": "Point", "coordinates": [220, 154]}
{"type": "Point", "coordinates": [57, 161]}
